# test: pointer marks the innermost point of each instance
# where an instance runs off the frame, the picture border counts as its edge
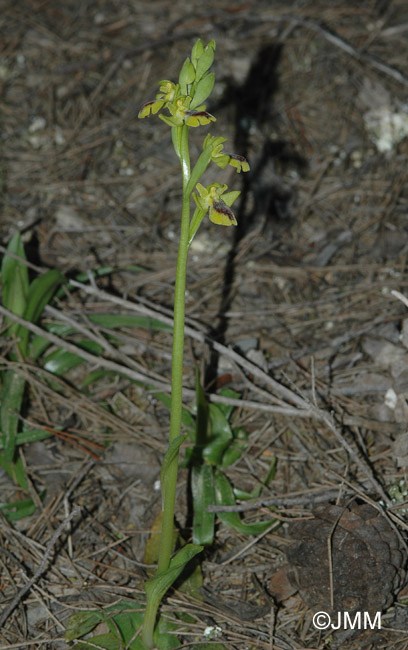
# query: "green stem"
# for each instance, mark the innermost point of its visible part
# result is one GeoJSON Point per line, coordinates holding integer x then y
{"type": "Point", "coordinates": [180, 139]}
{"type": "Point", "coordinates": [170, 479]}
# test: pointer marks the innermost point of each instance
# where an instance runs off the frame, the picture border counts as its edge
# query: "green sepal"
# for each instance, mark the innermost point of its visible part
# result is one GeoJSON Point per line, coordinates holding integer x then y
{"type": "Point", "coordinates": [169, 120]}
{"type": "Point", "coordinates": [230, 197]}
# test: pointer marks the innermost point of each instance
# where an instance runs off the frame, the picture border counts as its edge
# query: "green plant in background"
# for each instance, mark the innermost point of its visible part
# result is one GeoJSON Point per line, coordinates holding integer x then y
{"type": "Point", "coordinates": [217, 445]}
{"type": "Point", "coordinates": [27, 301]}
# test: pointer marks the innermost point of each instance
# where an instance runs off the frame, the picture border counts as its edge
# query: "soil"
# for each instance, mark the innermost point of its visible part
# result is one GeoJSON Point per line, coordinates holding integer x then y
{"type": "Point", "coordinates": [300, 308]}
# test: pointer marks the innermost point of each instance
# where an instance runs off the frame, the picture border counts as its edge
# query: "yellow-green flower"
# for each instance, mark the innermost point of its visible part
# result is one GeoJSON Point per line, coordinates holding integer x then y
{"type": "Point", "coordinates": [151, 108]}
{"type": "Point", "coordinates": [178, 107]}
{"type": "Point", "coordinates": [168, 93]}
{"type": "Point", "coordinates": [217, 202]}
{"type": "Point", "coordinates": [168, 90]}
{"type": "Point", "coordinates": [222, 158]}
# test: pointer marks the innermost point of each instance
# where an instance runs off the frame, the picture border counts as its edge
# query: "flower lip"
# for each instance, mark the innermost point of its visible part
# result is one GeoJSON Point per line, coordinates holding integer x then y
{"type": "Point", "coordinates": [221, 214]}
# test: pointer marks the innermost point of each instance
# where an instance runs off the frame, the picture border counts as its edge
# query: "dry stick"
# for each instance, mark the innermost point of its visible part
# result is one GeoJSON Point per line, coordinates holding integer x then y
{"type": "Point", "coordinates": [41, 568]}
{"type": "Point", "coordinates": [349, 49]}
{"type": "Point", "coordinates": [109, 349]}
{"type": "Point", "coordinates": [305, 408]}
{"type": "Point", "coordinates": [288, 501]}
{"type": "Point", "coordinates": [199, 336]}
{"type": "Point", "coordinates": [99, 361]}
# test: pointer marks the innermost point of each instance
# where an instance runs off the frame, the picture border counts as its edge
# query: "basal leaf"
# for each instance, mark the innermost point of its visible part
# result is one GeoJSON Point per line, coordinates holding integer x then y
{"type": "Point", "coordinates": [224, 495]}
{"type": "Point", "coordinates": [202, 488]}
{"type": "Point", "coordinates": [157, 586]}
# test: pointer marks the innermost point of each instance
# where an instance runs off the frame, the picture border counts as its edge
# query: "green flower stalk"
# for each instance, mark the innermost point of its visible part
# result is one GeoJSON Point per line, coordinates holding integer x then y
{"type": "Point", "coordinates": [180, 105]}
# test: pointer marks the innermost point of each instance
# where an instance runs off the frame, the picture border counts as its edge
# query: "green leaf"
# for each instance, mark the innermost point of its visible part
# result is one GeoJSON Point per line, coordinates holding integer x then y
{"type": "Point", "coordinates": [202, 412]}
{"type": "Point", "coordinates": [186, 417]}
{"type": "Point", "coordinates": [114, 321]}
{"type": "Point", "coordinates": [193, 583]}
{"type": "Point", "coordinates": [203, 90]}
{"type": "Point", "coordinates": [12, 394]}
{"type": "Point", "coordinates": [14, 277]}
{"type": "Point", "coordinates": [38, 345]}
{"type": "Point", "coordinates": [157, 586]}
{"type": "Point", "coordinates": [100, 642]}
{"type": "Point", "coordinates": [224, 496]}
{"type": "Point", "coordinates": [228, 408]}
{"type": "Point", "coordinates": [202, 488]}
{"type": "Point", "coordinates": [199, 169]}
{"type": "Point", "coordinates": [170, 455]}
{"type": "Point", "coordinates": [16, 471]}
{"type": "Point", "coordinates": [18, 509]}
{"type": "Point", "coordinates": [163, 640]}
{"type": "Point", "coordinates": [221, 436]}
{"type": "Point", "coordinates": [236, 448]}
{"type": "Point", "coordinates": [99, 273]}
{"type": "Point", "coordinates": [30, 435]}
{"type": "Point", "coordinates": [81, 623]}
{"type": "Point", "coordinates": [195, 223]}
{"type": "Point", "coordinates": [96, 375]}
{"type": "Point", "coordinates": [208, 646]}
{"type": "Point", "coordinates": [255, 493]}
{"type": "Point", "coordinates": [61, 361]}
{"type": "Point", "coordinates": [123, 619]}
{"type": "Point", "coordinates": [40, 293]}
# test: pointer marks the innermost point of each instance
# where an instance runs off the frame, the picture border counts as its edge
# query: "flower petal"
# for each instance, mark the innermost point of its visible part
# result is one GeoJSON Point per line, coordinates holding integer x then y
{"type": "Point", "coordinates": [151, 108]}
{"type": "Point", "coordinates": [198, 118]}
{"type": "Point", "coordinates": [221, 214]}
{"type": "Point", "coordinates": [239, 162]}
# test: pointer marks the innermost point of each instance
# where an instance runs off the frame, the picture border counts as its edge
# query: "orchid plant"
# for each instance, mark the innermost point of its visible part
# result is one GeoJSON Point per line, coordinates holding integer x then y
{"type": "Point", "coordinates": [181, 106]}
